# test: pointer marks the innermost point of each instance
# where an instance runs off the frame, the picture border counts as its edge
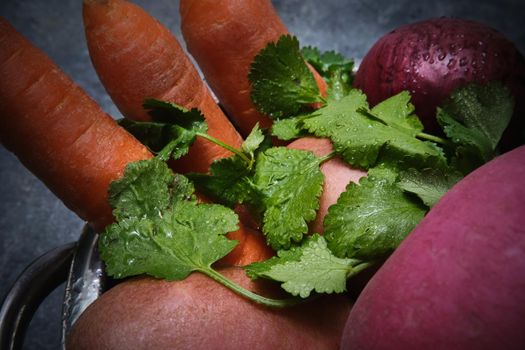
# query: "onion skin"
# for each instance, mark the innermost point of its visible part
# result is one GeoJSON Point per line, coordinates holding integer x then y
{"type": "Point", "coordinates": [432, 58]}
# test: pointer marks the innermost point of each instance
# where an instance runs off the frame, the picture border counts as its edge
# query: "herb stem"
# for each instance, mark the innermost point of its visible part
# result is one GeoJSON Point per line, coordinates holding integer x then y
{"type": "Point", "coordinates": [327, 157]}
{"type": "Point", "coordinates": [259, 299]}
{"type": "Point", "coordinates": [224, 145]}
{"type": "Point", "coordinates": [433, 138]}
{"type": "Point", "coordinates": [360, 267]}
{"type": "Point", "coordinates": [165, 153]}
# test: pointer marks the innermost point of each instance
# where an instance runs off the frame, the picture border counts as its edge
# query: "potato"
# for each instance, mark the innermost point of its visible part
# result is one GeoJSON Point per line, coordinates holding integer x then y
{"type": "Point", "coordinates": [458, 280]}
{"type": "Point", "coordinates": [337, 175]}
{"type": "Point", "coordinates": [198, 313]}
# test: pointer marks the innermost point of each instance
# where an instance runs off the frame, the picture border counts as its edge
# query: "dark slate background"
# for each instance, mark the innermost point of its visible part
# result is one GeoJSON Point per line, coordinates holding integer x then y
{"type": "Point", "coordinates": [33, 221]}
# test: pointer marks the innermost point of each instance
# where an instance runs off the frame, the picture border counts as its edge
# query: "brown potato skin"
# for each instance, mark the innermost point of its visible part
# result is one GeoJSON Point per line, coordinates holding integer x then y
{"type": "Point", "coordinates": [199, 313]}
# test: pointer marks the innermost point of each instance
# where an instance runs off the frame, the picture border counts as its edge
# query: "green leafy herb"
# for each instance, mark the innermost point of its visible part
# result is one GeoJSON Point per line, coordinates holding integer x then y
{"type": "Point", "coordinates": [334, 68]}
{"type": "Point", "coordinates": [160, 229]}
{"type": "Point", "coordinates": [146, 189]}
{"type": "Point", "coordinates": [187, 237]}
{"type": "Point", "coordinates": [484, 108]}
{"type": "Point", "coordinates": [172, 113]}
{"type": "Point", "coordinates": [253, 141]}
{"type": "Point", "coordinates": [398, 112]}
{"type": "Point", "coordinates": [290, 182]}
{"type": "Point", "coordinates": [474, 117]}
{"type": "Point", "coordinates": [310, 267]}
{"type": "Point", "coordinates": [228, 182]}
{"type": "Point", "coordinates": [281, 82]}
{"type": "Point", "coordinates": [371, 218]}
{"type": "Point", "coordinates": [365, 138]}
{"type": "Point", "coordinates": [172, 131]}
{"type": "Point", "coordinates": [428, 184]}
{"type": "Point", "coordinates": [289, 128]}
{"type": "Point", "coordinates": [284, 186]}
{"type": "Point", "coordinates": [165, 233]}
{"type": "Point", "coordinates": [154, 135]}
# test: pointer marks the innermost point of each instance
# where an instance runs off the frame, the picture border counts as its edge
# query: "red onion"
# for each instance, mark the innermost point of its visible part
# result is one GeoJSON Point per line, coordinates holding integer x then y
{"type": "Point", "coordinates": [433, 57]}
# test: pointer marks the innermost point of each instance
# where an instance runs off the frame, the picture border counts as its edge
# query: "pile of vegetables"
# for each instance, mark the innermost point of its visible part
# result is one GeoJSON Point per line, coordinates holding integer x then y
{"type": "Point", "coordinates": [363, 173]}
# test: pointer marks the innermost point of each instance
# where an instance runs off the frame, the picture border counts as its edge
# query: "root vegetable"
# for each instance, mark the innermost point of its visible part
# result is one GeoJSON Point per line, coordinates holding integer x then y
{"type": "Point", "coordinates": [433, 57]}
{"type": "Point", "coordinates": [137, 58]}
{"type": "Point", "coordinates": [224, 37]}
{"type": "Point", "coordinates": [58, 132]}
{"type": "Point", "coordinates": [458, 280]}
{"type": "Point", "coordinates": [197, 313]}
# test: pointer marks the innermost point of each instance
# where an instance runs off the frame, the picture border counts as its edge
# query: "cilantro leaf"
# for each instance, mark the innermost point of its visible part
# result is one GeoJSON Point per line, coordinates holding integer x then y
{"type": "Point", "coordinates": [290, 183]}
{"type": "Point", "coordinates": [474, 118]}
{"type": "Point", "coordinates": [161, 230]}
{"type": "Point", "coordinates": [471, 150]}
{"type": "Point", "coordinates": [281, 81]}
{"type": "Point", "coordinates": [366, 138]}
{"type": "Point", "coordinates": [172, 235]}
{"type": "Point", "coordinates": [487, 109]}
{"type": "Point", "coordinates": [289, 128]}
{"type": "Point", "coordinates": [169, 246]}
{"type": "Point", "coordinates": [428, 184]}
{"type": "Point", "coordinates": [334, 68]}
{"type": "Point", "coordinates": [172, 131]}
{"type": "Point", "coordinates": [310, 267]}
{"type": "Point", "coordinates": [326, 61]}
{"type": "Point", "coordinates": [172, 113]}
{"type": "Point", "coordinates": [145, 189]}
{"type": "Point", "coordinates": [181, 189]}
{"type": "Point", "coordinates": [154, 135]}
{"type": "Point", "coordinates": [371, 218]}
{"type": "Point", "coordinates": [253, 141]}
{"type": "Point", "coordinates": [284, 186]}
{"type": "Point", "coordinates": [228, 181]}
{"type": "Point", "coordinates": [398, 112]}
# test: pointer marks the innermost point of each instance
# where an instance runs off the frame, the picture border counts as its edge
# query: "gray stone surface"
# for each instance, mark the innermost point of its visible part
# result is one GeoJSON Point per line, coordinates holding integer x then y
{"type": "Point", "coordinates": [32, 220]}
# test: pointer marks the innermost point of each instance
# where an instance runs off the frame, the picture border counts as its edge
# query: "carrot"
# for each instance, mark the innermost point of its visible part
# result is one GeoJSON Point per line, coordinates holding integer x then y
{"type": "Point", "coordinates": [137, 58]}
{"type": "Point", "coordinates": [251, 247]}
{"type": "Point", "coordinates": [224, 37]}
{"type": "Point", "coordinates": [63, 137]}
{"type": "Point", "coordinates": [58, 132]}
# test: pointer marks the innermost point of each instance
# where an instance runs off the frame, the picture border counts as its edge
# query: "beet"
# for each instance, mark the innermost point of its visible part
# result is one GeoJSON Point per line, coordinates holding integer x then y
{"type": "Point", "coordinates": [433, 57]}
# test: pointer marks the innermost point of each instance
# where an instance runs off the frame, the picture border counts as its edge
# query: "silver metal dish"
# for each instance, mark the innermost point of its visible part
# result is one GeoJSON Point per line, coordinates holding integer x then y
{"type": "Point", "coordinates": [78, 264]}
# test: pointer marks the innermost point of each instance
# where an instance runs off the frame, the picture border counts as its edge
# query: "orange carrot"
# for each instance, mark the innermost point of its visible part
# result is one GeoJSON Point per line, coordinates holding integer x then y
{"type": "Point", "coordinates": [224, 37]}
{"type": "Point", "coordinates": [58, 132]}
{"type": "Point", "coordinates": [251, 247]}
{"type": "Point", "coordinates": [137, 58]}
